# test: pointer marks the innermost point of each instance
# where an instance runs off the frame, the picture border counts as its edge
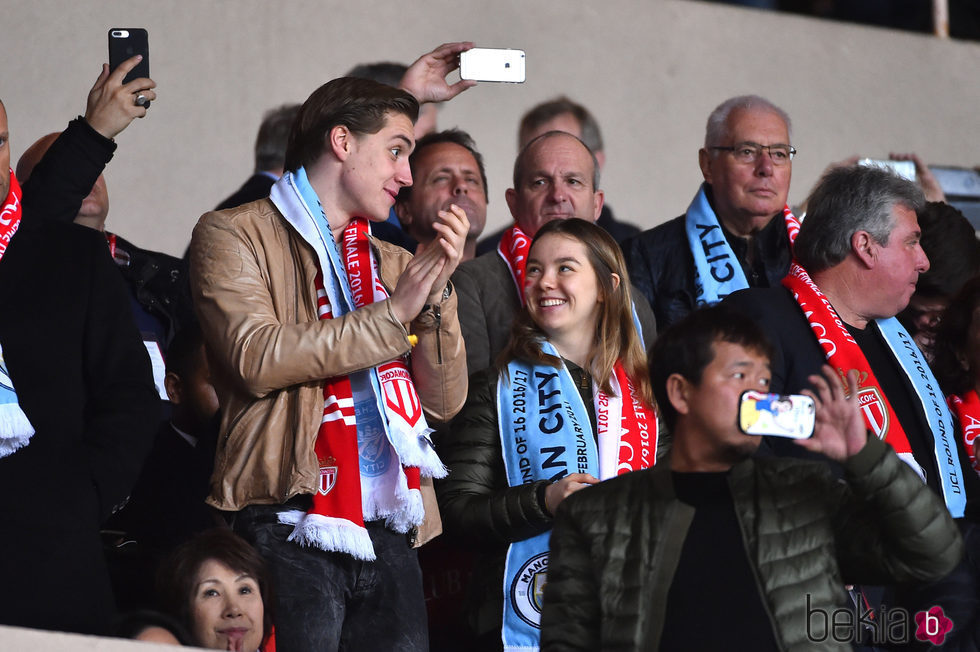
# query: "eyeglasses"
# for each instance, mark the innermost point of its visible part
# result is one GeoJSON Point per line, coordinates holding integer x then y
{"type": "Point", "coordinates": [750, 152]}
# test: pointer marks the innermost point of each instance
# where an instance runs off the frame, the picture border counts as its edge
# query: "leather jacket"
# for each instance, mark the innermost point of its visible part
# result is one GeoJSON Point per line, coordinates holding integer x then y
{"type": "Point", "coordinates": [253, 283]}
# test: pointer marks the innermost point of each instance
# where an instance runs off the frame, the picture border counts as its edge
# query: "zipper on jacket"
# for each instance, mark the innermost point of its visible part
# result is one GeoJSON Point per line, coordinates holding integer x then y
{"type": "Point", "coordinates": [753, 563]}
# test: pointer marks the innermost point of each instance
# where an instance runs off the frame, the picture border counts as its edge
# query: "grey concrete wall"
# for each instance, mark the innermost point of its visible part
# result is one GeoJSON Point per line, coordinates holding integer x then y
{"type": "Point", "coordinates": [650, 71]}
{"type": "Point", "coordinates": [19, 639]}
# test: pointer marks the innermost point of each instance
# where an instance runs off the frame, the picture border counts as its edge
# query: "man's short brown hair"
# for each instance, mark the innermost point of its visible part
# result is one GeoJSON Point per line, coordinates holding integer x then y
{"type": "Point", "coordinates": [361, 105]}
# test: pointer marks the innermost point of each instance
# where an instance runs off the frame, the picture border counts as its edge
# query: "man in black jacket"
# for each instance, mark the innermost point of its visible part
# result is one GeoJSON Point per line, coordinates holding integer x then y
{"type": "Point", "coordinates": [718, 550]}
{"type": "Point", "coordinates": [859, 259]}
{"type": "Point", "coordinates": [157, 282]}
{"type": "Point", "coordinates": [734, 234]}
{"type": "Point", "coordinates": [80, 377]}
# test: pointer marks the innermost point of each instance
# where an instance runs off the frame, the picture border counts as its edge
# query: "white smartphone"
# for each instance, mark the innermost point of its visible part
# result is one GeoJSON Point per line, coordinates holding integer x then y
{"type": "Point", "coordinates": [492, 64]}
{"type": "Point", "coordinates": [776, 415]}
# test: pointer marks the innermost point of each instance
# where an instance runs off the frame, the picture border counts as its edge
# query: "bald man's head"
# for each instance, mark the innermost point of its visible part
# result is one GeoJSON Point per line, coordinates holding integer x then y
{"type": "Point", "coordinates": [95, 207]}
{"type": "Point", "coordinates": [32, 155]}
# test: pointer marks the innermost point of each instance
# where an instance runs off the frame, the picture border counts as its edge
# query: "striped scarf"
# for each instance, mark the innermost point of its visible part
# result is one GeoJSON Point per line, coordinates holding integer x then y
{"type": "Point", "coordinates": [15, 428]}
{"type": "Point", "coordinates": [346, 496]}
{"type": "Point", "coordinates": [844, 354]}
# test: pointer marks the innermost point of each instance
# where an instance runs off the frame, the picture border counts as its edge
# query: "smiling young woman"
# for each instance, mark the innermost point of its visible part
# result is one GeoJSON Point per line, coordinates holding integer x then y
{"type": "Point", "coordinates": [568, 405]}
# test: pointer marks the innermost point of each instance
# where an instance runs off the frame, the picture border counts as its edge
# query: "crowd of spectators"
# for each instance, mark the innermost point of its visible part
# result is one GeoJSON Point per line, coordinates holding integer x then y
{"type": "Point", "coordinates": [252, 444]}
{"type": "Point", "coordinates": [911, 15]}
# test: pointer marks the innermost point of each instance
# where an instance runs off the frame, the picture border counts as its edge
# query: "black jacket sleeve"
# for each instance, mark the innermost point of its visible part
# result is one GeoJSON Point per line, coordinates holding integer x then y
{"type": "Point", "coordinates": [476, 503]}
{"type": "Point", "coordinates": [890, 528]}
{"type": "Point", "coordinates": [66, 173]}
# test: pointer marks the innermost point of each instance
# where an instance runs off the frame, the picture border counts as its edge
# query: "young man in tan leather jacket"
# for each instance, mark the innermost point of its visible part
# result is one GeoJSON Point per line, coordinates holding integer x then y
{"type": "Point", "coordinates": [333, 354]}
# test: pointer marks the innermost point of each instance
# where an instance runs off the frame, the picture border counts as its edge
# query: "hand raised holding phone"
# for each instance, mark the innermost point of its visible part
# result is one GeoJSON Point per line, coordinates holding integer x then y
{"type": "Point", "coordinates": [111, 105]}
{"type": "Point", "coordinates": [124, 44]}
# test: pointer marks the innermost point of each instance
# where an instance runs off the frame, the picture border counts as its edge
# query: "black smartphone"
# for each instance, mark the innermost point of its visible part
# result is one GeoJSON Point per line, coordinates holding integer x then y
{"type": "Point", "coordinates": [126, 42]}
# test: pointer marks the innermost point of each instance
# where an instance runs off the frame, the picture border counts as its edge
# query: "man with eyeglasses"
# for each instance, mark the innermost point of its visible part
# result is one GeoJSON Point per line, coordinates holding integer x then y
{"type": "Point", "coordinates": [727, 240]}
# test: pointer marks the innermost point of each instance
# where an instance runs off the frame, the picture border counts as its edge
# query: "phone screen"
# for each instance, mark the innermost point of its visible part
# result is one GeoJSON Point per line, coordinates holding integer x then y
{"type": "Point", "coordinates": [776, 415]}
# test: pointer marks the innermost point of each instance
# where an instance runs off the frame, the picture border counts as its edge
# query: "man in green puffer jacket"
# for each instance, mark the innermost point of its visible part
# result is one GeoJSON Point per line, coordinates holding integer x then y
{"type": "Point", "coordinates": [718, 550]}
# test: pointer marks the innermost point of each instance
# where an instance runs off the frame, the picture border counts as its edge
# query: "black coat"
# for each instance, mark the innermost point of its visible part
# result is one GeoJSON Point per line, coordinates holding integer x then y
{"type": "Point", "coordinates": [798, 355]}
{"type": "Point", "coordinates": [615, 547]}
{"type": "Point", "coordinates": [258, 186]}
{"type": "Point", "coordinates": [661, 265]}
{"type": "Point", "coordinates": [82, 377]}
{"type": "Point", "coordinates": [54, 192]}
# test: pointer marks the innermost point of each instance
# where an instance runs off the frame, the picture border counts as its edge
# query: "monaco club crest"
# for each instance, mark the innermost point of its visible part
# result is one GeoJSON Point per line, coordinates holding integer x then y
{"type": "Point", "coordinates": [399, 392]}
{"type": "Point", "coordinates": [874, 410]}
{"type": "Point", "coordinates": [328, 477]}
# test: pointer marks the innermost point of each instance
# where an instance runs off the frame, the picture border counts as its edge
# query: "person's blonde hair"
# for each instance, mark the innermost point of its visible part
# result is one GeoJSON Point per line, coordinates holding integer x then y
{"type": "Point", "coordinates": [616, 337]}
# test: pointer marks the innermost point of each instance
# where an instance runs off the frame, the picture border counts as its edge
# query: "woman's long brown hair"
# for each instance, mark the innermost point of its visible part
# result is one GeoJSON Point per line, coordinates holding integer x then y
{"type": "Point", "coordinates": [616, 338]}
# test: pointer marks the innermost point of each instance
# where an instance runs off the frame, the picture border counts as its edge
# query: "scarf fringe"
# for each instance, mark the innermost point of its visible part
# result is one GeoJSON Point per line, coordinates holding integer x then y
{"type": "Point", "coordinates": [402, 511]}
{"type": "Point", "coordinates": [15, 429]}
{"type": "Point", "coordinates": [416, 450]}
{"type": "Point", "coordinates": [411, 515]}
{"type": "Point", "coordinates": [329, 534]}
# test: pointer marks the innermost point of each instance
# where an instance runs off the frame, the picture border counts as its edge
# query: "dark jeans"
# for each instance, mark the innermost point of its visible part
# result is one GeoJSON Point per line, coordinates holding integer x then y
{"type": "Point", "coordinates": [330, 601]}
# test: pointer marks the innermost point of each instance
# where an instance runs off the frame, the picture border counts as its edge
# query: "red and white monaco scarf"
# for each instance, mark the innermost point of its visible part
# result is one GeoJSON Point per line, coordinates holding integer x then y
{"type": "Point", "coordinates": [844, 354]}
{"type": "Point", "coordinates": [15, 428]}
{"type": "Point", "coordinates": [10, 214]}
{"type": "Point", "coordinates": [967, 411]}
{"type": "Point", "coordinates": [514, 247]}
{"type": "Point", "coordinates": [335, 521]}
{"type": "Point", "coordinates": [627, 430]}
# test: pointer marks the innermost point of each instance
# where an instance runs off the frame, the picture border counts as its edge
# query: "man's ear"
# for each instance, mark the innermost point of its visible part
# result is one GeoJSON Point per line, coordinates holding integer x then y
{"type": "Point", "coordinates": [865, 248]}
{"type": "Point", "coordinates": [598, 199]}
{"type": "Point", "coordinates": [341, 141]}
{"type": "Point", "coordinates": [678, 391]}
{"type": "Point", "coordinates": [704, 160]}
{"type": "Point", "coordinates": [171, 383]}
{"type": "Point", "coordinates": [510, 196]}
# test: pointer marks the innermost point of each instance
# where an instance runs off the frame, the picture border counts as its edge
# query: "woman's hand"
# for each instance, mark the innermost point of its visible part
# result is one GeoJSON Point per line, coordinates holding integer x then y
{"type": "Point", "coordinates": [559, 491]}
